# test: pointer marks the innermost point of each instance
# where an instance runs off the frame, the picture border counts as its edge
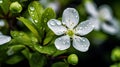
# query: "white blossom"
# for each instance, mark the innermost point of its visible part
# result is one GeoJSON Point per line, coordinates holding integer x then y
{"type": "Point", "coordinates": [103, 15]}
{"type": "Point", "coordinates": [70, 29]}
{"type": "Point", "coordinates": [4, 39]}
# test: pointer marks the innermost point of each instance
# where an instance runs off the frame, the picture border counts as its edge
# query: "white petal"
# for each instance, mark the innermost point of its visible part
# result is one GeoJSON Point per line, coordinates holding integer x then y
{"type": "Point", "coordinates": [62, 42]}
{"type": "Point", "coordinates": [70, 17]}
{"type": "Point", "coordinates": [56, 27]}
{"type": "Point", "coordinates": [85, 27]}
{"type": "Point", "coordinates": [105, 12]}
{"type": "Point", "coordinates": [4, 39]}
{"type": "Point", "coordinates": [97, 24]}
{"type": "Point", "coordinates": [54, 5]}
{"type": "Point", "coordinates": [113, 28]}
{"type": "Point", "coordinates": [81, 43]}
{"type": "Point", "coordinates": [2, 23]}
{"type": "Point", "coordinates": [91, 9]}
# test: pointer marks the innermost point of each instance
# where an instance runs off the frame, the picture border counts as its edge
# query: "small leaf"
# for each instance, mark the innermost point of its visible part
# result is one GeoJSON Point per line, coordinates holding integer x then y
{"type": "Point", "coordinates": [49, 37]}
{"type": "Point", "coordinates": [14, 49]}
{"type": "Point", "coordinates": [14, 59]}
{"type": "Point", "coordinates": [35, 10]}
{"type": "Point", "coordinates": [37, 60]}
{"type": "Point", "coordinates": [21, 38]}
{"type": "Point", "coordinates": [46, 16]}
{"type": "Point", "coordinates": [49, 49]}
{"type": "Point", "coordinates": [28, 23]}
{"type": "Point", "coordinates": [59, 52]}
{"type": "Point", "coordinates": [4, 4]}
{"type": "Point", "coordinates": [26, 53]}
{"type": "Point", "coordinates": [60, 64]}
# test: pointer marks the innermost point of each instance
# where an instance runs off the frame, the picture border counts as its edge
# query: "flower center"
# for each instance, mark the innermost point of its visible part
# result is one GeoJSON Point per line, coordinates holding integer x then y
{"type": "Point", "coordinates": [70, 33]}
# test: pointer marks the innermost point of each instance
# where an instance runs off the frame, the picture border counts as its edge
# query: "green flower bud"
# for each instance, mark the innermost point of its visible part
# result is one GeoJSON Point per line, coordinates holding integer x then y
{"type": "Point", "coordinates": [115, 55]}
{"type": "Point", "coordinates": [72, 59]}
{"type": "Point", "coordinates": [15, 7]}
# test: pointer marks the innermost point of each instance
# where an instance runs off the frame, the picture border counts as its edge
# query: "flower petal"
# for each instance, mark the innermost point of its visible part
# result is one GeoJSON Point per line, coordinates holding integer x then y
{"type": "Point", "coordinates": [56, 27]}
{"type": "Point", "coordinates": [91, 9]}
{"type": "Point", "coordinates": [111, 28]}
{"type": "Point", "coordinates": [105, 12]}
{"type": "Point", "coordinates": [85, 27]}
{"type": "Point", "coordinates": [4, 39]}
{"type": "Point", "coordinates": [2, 23]}
{"type": "Point", "coordinates": [62, 42]}
{"type": "Point", "coordinates": [70, 17]}
{"type": "Point", "coordinates": [81, 43]}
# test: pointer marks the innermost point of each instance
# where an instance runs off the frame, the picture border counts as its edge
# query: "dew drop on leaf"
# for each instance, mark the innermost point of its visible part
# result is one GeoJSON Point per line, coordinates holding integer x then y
{"type": "Point", "coordinates": [32, 8]}
{"type": "Point", "coordinates": [1, 1]}
{"type": "Point", "coordinates": [36, 21]}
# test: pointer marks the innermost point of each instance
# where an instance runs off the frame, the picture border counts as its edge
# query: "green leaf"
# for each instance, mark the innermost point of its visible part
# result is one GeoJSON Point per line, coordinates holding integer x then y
{"type": "Point", "coordinates": [48, 49]}
{"type": "Point", "coordinates": [21, 38]}
{"type": "Point", "coordinates": [47, 15]}
{"type": "Point", "coordinates": [37, 60]}
{"type": "Point", "coordinates": [59, 52]}
{"type": "Point", "coordinates": [35, 10]}
{"type": "Point", "coordinates": [26, 53]}
{"type": "Point", "coordinates": [14, 49]}
{"type": "Point", "coordinates": [49, 37]}
{"type": "Point", "coordinates": [60, 64]}
{"type": "Point", "coordinates": [14, 59]}
{"type": "Point", "coordinates": [30, 26]}
{"type": "Point", "coordinates": [4, 4]}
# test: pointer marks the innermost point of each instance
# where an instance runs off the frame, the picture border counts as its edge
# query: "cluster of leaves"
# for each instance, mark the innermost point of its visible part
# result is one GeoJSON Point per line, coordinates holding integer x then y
{"type": "Point", "coordinates": [37, 44]}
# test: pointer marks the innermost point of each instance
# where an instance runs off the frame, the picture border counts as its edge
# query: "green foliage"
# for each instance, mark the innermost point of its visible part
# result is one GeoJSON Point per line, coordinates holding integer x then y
{"type": "Point", "coordinates": [4, 4]}
{"type": "Point", "coordinates": [60, 64]}
{"type": "Point", "coordinates": [14, 59]}
{"type": "Point", "coordinates": [30, 26]}
{"type": "Point", "coordinates": [37, 60]}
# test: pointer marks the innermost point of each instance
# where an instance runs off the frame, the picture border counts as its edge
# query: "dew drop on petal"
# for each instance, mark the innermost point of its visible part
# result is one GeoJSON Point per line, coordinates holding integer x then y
{"type": "Point", "coordinates": [52, 23]}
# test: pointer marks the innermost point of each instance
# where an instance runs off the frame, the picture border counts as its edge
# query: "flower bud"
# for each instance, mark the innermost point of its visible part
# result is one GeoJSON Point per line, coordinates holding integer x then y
{"type": "Point", "coordinates": [115, 56]}
{"type": "Point", "coordinates": [72, 59]}
{"type": "Point", "coordinates": [15, 7]}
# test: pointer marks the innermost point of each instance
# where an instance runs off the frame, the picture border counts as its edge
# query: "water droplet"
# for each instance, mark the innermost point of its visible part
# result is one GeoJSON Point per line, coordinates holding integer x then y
{"type": "Point", "coordinates": [1, 1]}
{"type": "Point", "coordinates": [21, 34]}
{"type": "Point", "coordinates": [60, 39]}
{"type": "Point", "coordinates": [85, 27]}
{"type": "Point", "coordinates": [40, 46]}
{"type": "Point", "coordinates": [32, 14]}
{"type": "Point", "coordinates": [36, 21]}
{"type": "Point", "coordinates": [32, 8]}
{"type": "Point", "coordinates": [52, 23]}
{"type": "Point", "coordinates": [92, 25]}
{"type": "Point", "coordinates": [83, 40]}
{"type": "Point", "coordinates": [58, 23]}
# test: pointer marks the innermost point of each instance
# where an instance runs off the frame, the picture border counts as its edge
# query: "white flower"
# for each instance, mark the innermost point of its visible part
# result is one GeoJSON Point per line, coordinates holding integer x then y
{"type": "Point", "coordinates": [4, 39]}
{"type": "Point", "coordinates": [102, 15]}
{"type": "Point", "coordinates": [71, 30]}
